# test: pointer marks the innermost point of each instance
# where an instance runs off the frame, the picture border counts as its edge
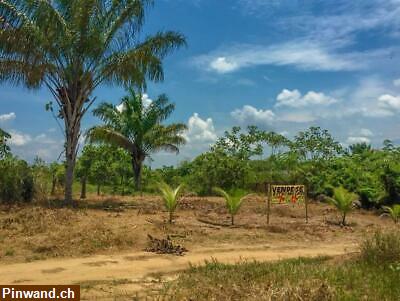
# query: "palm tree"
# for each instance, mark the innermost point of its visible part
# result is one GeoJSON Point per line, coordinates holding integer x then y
{"type": "Point", "coordinates": [136, 127]}
{"type": "Point", "coordinates": [233, 202]}
{"type": "Point", "coordinates": [73, 46]}
{"type": "Point", "coordinates": [170, 197]}
{"type": "Point", "coordinates": [343, 200]}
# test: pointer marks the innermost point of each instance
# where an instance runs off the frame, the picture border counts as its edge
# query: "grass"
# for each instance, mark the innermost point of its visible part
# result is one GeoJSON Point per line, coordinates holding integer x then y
{"type": "Point", "coordinates": [370, 276]}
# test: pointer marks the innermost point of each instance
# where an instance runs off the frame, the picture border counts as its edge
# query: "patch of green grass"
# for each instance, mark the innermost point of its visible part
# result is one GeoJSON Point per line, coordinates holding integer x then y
{"type": "Point", "coordinates": [9, 252]}
{"type": "Point", "coordinates": [300, 279]}
{"type": "Point", "coordinates": [370, 276]}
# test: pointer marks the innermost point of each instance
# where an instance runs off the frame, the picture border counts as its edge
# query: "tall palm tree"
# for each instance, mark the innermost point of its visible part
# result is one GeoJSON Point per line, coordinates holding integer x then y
{"type": "Point", "coordinates": [73, 46]}
{"type": "Point", "coordinates": [136, 127]}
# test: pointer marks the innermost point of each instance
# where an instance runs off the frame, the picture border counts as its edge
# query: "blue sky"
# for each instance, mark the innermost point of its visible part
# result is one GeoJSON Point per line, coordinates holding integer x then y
{"type": "Point", "coordinates": [283, 65]}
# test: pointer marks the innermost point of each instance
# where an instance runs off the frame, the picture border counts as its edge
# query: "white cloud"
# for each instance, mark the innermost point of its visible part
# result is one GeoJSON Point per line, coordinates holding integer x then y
{"type": "Point", "coordinates": [366, 133]}
{"type": "Point", "coordinates": [19, 139]}
{"type": "Point", "coordinates": [389, 102]}
{"type": "Point", "coordinates": [297, 117]}
{"type": "Point", "coordinates": [28, 147]}
{"type": "Point", "coordinates": [200, 130]}
{"type": "Point", "coordinates": [251, 115]}
{"type": "Point", "coordinates": [360, 139]}
{"type": "Point", "coordinates": [222, 65]}
{"type": "Point", "coordinates": [304, 54]}
{"type": "Point", "coordinates": [7, 117]}
{"type": "Point", "coordinates": [396, 82]}
{"type": "Point", "coordinates": [295, 99]}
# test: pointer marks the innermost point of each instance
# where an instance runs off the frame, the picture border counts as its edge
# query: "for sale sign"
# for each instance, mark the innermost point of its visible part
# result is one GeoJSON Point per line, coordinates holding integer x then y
{"type": "Point", "coordinates": [281, 194]}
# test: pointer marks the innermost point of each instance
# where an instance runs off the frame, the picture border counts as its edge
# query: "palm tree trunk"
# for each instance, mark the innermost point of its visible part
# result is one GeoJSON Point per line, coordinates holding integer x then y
{"type": "Point", "coordinates": [72, 130]}
{"type": "Point", "coordinates": [83, 187]}
{"type": "Point", "coordinates": [344, 219]}
{"type": "Point", "coordinates": [170, 217]}
{"type": "Point", "coordinates": [232, 219]}
{"type": "Point", "coordinates": [69, 179]}
{"type": "Point", "coordinates": [137, 172]}
{"type": "Point", "coordinates": [98, 189]}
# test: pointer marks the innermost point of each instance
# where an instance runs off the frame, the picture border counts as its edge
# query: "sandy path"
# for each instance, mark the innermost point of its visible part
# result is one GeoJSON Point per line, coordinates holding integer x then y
{"type": "Point", "coordinates": [138, 265]}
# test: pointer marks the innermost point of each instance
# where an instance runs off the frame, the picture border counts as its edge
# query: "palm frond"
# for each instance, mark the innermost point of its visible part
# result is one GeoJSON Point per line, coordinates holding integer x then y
{"type": "Point", "coordinates": [105, 134]}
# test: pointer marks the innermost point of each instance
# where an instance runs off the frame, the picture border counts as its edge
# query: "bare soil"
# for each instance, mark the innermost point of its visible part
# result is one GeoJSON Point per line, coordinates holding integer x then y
{"type": "Point", "coordinates": [101, 245]}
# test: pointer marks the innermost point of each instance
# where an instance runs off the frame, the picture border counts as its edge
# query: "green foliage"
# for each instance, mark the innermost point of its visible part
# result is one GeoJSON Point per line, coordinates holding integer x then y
{"type": "Point", "coordinates": [72, 47]}
{"type": "Point", "coordinates": [315, 144]}
{"type": "Point", "coordinates": [393, 212]}
{"type": "Point", "coordinates": [16, 181]}
{"type": "Point", "coordinates": [343, 200]}
{"type": "Point", "coordinates": [233, 201]}
{"type": "Point", "coordinates": [4, 148]}
{"type": "Point", "coordinates": [170, 197]}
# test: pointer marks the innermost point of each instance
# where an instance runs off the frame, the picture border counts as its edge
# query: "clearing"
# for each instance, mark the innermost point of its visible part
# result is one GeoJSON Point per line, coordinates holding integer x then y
{"type": "Point", "coordinates": [100, 245]}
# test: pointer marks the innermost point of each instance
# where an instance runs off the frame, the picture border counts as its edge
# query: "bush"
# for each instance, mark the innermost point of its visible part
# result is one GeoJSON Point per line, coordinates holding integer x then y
{"type": "Point", "coordinates": [381, 248]}
{"type": "Point", "coordinates": [16, 181]}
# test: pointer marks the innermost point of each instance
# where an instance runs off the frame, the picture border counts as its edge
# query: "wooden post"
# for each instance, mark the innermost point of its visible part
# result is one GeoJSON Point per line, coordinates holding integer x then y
{"type": "Point", "coordinates": [268, 203]}
{"type": "Point", "coordinates": [306, 202]}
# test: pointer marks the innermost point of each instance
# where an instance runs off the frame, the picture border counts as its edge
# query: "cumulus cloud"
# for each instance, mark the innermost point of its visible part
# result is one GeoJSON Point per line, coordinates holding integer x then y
{"type": "Point", "coordinates": [295, 99]}
{"type": "Point", "coordinates": [222, 65]}
{"type": "Point", "coordinates": [28, 146]}
{"type": "Point", "coordinates": [250, 115]}
{"type": "Point", "coordinates": [360, 139]}
{"type": "Point", "coordinates": [389, 102]}
{"type": "Point", "coordinates": [200, 130]}
{"type": "Point", "coordinates": [7, 117]}
{"type": "Point", "coordinates": [19, 139]}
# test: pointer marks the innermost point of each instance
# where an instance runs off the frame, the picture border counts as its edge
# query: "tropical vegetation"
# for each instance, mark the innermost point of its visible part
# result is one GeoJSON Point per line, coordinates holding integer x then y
{"type": "Point", "coordinates": [137, 128]}
{"type": "Point", "coordinates": [71, 47]}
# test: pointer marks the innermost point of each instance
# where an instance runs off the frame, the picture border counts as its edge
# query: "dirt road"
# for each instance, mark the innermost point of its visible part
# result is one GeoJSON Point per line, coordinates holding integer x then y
{"type": "Point", "coordinates": [106, 276]}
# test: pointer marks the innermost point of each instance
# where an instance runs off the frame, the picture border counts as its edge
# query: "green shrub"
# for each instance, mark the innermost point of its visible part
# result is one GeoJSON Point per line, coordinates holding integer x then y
{"type": "Point", "coordinates": [16, 181]}
{"type": "Point", "coordinates": [381, 248]}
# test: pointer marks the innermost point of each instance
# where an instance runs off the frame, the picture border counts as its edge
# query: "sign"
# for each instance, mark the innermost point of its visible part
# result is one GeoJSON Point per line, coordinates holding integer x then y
{"type": "Point", "coordinates": [293, 194]}
{"type": "Point", "coordinates": [283, 194]}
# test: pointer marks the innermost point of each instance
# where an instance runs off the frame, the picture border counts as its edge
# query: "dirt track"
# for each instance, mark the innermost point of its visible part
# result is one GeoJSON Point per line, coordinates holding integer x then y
{"type": "Point", "coordinates": [107, 276]}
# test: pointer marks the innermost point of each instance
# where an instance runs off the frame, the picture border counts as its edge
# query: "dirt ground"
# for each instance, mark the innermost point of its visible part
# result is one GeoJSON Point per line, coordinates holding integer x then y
{"type": "Point", "coordinates": [101, 244]}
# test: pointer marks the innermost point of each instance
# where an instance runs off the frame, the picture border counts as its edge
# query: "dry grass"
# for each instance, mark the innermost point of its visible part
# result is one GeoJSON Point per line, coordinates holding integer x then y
{"type": "Point", "coordinates": [113, 224]}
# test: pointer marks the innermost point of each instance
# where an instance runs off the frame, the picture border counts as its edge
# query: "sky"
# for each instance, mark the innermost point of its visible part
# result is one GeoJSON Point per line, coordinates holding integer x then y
{"type": "Point", "coordinates": [283, 65]}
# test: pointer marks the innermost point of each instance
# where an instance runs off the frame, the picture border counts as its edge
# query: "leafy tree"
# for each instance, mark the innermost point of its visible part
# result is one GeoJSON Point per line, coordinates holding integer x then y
{"type": "Point", "coordinates": [315, 144]}
{"type": "Point", "coordinates": [275, 141]}
{"type": "Point", "coordinates": [343, 200]}
{"type": "Point", "coordinates": [217, 168]}
{"type": "Point", "coordinates": [170, 197]}
{"type": "Point", "coordinates": [4, 148]}
{"type": "Point", "coordinates": [16, 181]}
{"type": "Point", "coordinates": [240, 145]}
{"type": "Point", "coordinates": [73, 46]}
{"type": "Point", "coordinates": [233, 202]}
{"type": "Point", "coordinates": [360, 148]}
{"type": "Point", "coordinates": [138, 128]}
